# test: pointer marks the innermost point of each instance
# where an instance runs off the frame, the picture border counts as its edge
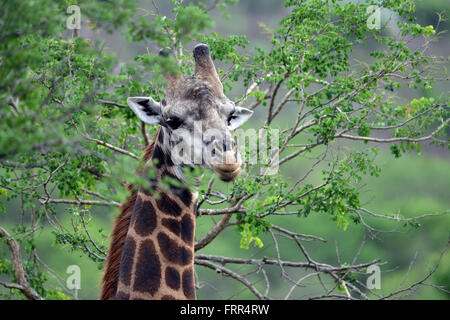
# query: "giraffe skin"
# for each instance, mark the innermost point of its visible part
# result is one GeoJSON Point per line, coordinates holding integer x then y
{"type": "Point", "coordinates": [157, 258]}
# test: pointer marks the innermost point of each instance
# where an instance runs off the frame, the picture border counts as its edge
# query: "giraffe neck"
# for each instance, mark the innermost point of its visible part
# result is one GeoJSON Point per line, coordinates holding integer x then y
{"type": "Point", "coordinates": [158, 255]}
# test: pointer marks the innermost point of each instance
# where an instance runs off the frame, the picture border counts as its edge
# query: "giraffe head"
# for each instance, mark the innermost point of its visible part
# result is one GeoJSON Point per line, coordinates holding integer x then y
{"type": "Point", "coordinates": [197, 119]}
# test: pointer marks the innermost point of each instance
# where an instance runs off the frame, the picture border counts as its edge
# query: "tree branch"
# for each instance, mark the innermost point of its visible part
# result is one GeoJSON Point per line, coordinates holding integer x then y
{"type": "Point", "coordinates": [109, 146]}
{"type": "Point", "coordinates": [112, 103]}
{"type": "Point", "coordinates": [232, 274]}
{"type": "Point", "coordinates": [19, 272]}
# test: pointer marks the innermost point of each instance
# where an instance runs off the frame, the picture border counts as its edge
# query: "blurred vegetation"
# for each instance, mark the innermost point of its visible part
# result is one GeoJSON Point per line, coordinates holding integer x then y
{"type": "Point", "coordinates": [47, 70]}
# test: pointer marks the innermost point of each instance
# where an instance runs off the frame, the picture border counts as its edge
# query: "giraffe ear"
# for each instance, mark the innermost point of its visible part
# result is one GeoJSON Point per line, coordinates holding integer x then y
{"type": "Point", "coordinates": [239, 117]}
{"type": "Point", "coordinates": [147, 109]}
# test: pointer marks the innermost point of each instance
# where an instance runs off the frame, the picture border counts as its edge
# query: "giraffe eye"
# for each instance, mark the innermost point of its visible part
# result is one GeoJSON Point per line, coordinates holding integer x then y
{"type": "Point", "coordinates": [174, 123]}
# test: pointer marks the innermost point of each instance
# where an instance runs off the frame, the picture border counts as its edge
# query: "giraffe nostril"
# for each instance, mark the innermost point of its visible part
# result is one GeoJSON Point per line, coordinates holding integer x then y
{"type": "Point", "coordinates": [228, 144]}
{"type": "Point", "coordinates": [224, 146]}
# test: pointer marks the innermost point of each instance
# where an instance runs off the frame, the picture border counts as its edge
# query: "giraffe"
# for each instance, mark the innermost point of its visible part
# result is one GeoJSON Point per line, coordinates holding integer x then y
{"type": "Point", "coordinates": [151, 255]}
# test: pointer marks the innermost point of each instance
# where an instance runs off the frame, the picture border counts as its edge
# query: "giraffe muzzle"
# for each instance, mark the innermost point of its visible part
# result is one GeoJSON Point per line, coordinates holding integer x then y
{"type": "Point", "coordinates": [230, 167]}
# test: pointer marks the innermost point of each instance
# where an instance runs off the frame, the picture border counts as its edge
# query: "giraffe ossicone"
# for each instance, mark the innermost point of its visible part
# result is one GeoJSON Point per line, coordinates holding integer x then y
{"type": "Point", "coordinates": [151, 254]}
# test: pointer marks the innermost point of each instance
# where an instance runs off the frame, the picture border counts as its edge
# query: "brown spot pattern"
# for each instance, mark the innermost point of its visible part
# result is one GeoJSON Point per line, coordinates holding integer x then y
{"type": "Point", "coordinates": [148, 269]}
{"type": "Point", "coordinates": [122, 296]}
{"type": "Point", "coordinates": [172, 225]}
{"type": "Point", "coordinates": [187, 229]}
{"type": "Point", "coordinates": [145, 221]}
{"type": "Point", "coordinates": [167, 205]}
{"type": "Point", "coordinates": [126, 264]}
{"type": "Point", "coordinates": [188, 284]}
{"type": "Point", "coordinates": [172, 251]}
{"type": "Point", "coordinates": [172, 278]}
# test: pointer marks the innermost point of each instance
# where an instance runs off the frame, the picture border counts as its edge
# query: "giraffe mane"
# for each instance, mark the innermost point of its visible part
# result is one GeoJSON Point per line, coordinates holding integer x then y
{"type": "Point", "coordinates": [111, 274]}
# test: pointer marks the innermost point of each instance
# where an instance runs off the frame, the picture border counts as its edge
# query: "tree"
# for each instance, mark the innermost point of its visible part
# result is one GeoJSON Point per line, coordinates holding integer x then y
{"type": "Point", "coordinates": [68, 140]}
